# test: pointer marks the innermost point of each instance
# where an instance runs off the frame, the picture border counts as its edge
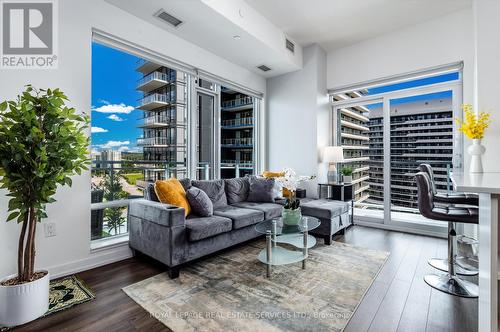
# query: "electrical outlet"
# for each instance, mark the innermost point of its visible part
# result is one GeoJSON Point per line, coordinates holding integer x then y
{"type": "Point", "coordinates": [50, 229]}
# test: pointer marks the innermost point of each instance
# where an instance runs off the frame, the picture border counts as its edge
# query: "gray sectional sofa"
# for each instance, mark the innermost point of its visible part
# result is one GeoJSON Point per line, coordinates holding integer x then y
{"type": "Point", "coordinates": [162, 232]}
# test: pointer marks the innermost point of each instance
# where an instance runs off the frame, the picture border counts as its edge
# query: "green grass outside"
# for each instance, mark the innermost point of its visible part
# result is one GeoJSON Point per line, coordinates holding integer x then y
{"type": "Point", "coordinates": [132, 178]}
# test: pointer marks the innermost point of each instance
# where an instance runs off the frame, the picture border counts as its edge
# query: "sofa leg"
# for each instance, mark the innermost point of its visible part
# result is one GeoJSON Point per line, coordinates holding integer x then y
{"type": "Point", "coordinates": [328, 240]}
{"type": "Point", "coordinates": [173, 272]}
{"type": "Point", "coordinates": [134, 252]}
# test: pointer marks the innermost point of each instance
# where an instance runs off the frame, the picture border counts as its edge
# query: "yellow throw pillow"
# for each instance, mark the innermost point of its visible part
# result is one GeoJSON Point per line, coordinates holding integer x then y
{"type": "Point", "coordinates": [172, 192]}
{"type": "Point", "coordinates": [269, 174]}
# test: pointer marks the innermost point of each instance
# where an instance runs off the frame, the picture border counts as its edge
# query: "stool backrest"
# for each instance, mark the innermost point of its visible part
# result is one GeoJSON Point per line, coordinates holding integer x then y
{"type": "Point", "coordinates": [425, 195]}
{"type": "Point", "coordinates": [426, 168]}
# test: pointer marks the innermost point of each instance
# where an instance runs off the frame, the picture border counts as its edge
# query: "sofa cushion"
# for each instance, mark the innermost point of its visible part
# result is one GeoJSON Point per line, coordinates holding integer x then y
{"type": "Point", "coordinates": [271, 210]}
{"type": "Point", "coordinates": [199, 228]}
{"type": "Point", "coordinates": [323, 208]}
{"type": "Point", "coordinates": [186, 183]}
{"type": "Point", "coordinates": [200, 202]}
{"type": "Point", "coordinates": [237, 189]}
{"type": "Point", "coordinates": [241, 217]}
{"type": "Point", "coordinates": [261, 190]}
{"type": "Point", "coordinates": [214, 189]}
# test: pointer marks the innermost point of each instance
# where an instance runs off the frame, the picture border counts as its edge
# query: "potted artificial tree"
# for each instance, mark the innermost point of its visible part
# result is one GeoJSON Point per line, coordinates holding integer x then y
{"type": "Point", "coordinates": [42, 144]}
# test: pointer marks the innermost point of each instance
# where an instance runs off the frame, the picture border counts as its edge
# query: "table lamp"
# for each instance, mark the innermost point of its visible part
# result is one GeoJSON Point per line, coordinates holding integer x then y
{"type": "Point", "coordinates": [333, 155]}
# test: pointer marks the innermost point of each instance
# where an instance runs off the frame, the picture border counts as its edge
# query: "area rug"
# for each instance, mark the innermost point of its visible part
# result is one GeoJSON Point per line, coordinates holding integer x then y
{"type": "Point", "coordinates": [230, 292]}
{"type": "Point", "coordinates": [65, 293]}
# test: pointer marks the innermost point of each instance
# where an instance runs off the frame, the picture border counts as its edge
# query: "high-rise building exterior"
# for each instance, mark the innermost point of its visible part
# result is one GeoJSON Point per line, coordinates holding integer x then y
{"type": "Point", "coordinates": [421, 132]}
{"type": "Point", "coordinates": [237, 134]}
{"type": "Point", "coordinates": [164, 123]}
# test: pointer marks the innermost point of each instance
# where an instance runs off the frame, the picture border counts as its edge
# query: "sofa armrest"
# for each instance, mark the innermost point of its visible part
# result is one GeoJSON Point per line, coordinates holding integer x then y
{"type": "Point", "coordinates": [158, 213]}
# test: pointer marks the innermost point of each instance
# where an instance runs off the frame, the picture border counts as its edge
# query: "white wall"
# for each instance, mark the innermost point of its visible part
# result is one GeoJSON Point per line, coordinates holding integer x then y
{"type": "Point", "coordinates": [298, 113]}
{"type": "Point", "coordinates": [487, 47]}
{"type": "Point", "coordinates": [70, 249]}
{"type": "Point", "coordinates": [436, 42]}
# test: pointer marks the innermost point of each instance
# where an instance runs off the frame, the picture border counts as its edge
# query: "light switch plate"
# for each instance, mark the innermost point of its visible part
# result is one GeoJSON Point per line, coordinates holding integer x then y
{"type": "Point", "coordinates": [50, 229]}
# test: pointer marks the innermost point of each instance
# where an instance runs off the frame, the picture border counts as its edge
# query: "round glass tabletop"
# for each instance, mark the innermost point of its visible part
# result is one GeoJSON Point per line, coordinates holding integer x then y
{"type": "Point", "coordinates": [277, 227]}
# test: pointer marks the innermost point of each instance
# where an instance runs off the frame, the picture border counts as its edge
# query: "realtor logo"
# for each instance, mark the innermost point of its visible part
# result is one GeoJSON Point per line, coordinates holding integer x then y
{"type": "Point", "coordinates": [28, 35]}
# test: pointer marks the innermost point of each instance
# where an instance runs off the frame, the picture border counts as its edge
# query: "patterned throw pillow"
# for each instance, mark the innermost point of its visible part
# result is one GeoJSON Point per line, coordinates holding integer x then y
{"type": "Point", "coordinates": [201, 204]}
{"type": "Point", "coordinates": [171, 192]}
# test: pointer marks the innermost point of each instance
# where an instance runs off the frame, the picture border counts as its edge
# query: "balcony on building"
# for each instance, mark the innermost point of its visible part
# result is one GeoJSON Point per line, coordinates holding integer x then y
{"type": "Point", "coordinates": [154, 141]}
{"type": "Point", "coordinates": [152, 81]}
{"type": "Point", "coordinates": [153, 101]}
{"type": "Point", "coordinates": [237, 142]}
{"type": "Point", "coordinates": [156, 121]}
{"type": "Point", "coordinates": [145, 66]}
{"type": "Point", "coordinates": [240, 123]}
{"type": "Point", "coordinates": [237, 104]}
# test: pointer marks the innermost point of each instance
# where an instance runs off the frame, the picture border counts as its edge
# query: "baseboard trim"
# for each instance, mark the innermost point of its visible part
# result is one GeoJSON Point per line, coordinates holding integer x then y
{"type": "Point", "coordinates": [399, 229]}
{"type": "Point", "coordinates": [95, 259]}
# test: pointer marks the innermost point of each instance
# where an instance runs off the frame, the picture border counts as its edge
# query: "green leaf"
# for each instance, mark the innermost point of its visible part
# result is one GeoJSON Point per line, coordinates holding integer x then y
{"type": "Point", "coordinates": [13, 215]}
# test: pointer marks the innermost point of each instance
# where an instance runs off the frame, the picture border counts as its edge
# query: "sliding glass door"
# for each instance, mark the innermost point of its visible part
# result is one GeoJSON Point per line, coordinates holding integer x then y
{"type": "Point", "coordinates": [386, 132]}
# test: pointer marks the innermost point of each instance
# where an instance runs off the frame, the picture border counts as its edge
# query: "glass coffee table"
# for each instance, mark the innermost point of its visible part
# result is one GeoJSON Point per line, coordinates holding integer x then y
{"type": "Point", "coordinates": [294, 236]}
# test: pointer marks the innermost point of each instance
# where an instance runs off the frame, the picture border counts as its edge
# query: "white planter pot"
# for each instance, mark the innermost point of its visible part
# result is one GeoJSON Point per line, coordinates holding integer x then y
{"type": "Point", "coordinates": [347, 178]}
{"type": "Point", "coordinates": [476, 150]}
{"type": "Point", "coordinates": [20, 304]}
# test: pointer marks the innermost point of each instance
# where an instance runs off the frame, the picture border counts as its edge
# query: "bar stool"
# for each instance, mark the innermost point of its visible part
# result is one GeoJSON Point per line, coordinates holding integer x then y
{"type": "Point", "coordinates": [462, 265]}
{"type": "Point", "coordinates": [448, 198]}
{"type": "Point", "coordinates": [447, 282]}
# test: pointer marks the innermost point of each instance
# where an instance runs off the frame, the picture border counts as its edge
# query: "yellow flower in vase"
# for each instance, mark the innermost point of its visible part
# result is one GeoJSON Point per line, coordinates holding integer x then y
{"type": "Point", "coordinates": [474, 125]}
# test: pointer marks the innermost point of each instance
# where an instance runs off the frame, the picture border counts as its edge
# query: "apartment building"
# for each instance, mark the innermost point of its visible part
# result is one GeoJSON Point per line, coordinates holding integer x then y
{"type": "Point", "coordinates": [237, 134]}
{"type": "Point", "coordinates": [164, 122]}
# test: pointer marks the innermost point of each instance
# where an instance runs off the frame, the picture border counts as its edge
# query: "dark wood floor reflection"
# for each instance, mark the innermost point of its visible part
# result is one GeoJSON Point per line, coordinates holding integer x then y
{"type": "Point", "coordinates": [399, 299]}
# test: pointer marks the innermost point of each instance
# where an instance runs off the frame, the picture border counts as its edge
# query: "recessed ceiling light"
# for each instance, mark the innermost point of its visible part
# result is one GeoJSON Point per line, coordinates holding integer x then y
{"type": "Point", "coordinates": [236, 37]}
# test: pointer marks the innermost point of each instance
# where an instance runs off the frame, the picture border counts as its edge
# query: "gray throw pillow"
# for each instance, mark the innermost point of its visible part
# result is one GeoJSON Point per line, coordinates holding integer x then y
{"type": "Point", "coordinates": [201, 204]}
{"type": "Point", "coordinates": [261, 190]}
{"type": "Point", "coordinates": [215, 191]}
{"type": "Point", "coordinates": [237, 189]}
{"type": "Point", "coordinates": [186, 183]}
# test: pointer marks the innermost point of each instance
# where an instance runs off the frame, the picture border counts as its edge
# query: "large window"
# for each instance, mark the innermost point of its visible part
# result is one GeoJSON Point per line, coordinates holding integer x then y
{"type": "Point", "coordinates": [386, 131]}
{"type": "Point", "coordinates": [151, 122]}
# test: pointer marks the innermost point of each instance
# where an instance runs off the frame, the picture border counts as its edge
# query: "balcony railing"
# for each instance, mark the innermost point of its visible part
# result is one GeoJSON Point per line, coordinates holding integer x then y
{"type": "Point", "coordinates": [152, 141]}
{"type": "Point", "coordinates": [238, 122]}
{"type": "Point", "coordinates": [153, 98]}
{"type": "Point", "coordinates": [237, 102]}
{"type": "Point", "coordinates": [237, 141]}
{"type": "Point", "coordinates": [154, 76]}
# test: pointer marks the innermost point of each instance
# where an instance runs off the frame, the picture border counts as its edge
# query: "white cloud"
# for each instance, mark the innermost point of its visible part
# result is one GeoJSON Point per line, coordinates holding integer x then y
{"type": "Point", "coordinates": [114, 108]}
{"type": "Point", "coordinates": [115, 117]}
{"type": "Point", "coordinates": [95, 130]}
{"type": "Point", "coordinates": [113, 144]}
{"type": "Point", "coordinates": [123, 148]}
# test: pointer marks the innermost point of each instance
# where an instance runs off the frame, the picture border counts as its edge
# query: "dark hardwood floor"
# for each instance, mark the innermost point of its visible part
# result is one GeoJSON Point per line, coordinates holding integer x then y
{"type": "Point", "coordinates": [399, 299]}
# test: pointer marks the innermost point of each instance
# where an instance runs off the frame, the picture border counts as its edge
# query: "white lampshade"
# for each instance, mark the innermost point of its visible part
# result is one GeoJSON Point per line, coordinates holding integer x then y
{"type": "Point", "coordinates": [333, 154]}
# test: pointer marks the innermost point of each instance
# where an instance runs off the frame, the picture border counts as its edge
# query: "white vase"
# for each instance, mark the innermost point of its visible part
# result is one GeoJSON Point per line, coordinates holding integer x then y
{"type": "Point", "coordinates": [476, 150]}
{"type": "Point", "coordinates": [20, 304]}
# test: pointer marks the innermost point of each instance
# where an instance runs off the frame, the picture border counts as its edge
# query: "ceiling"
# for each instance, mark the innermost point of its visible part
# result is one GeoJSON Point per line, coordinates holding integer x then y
{"type": "Point", "coordinates": [212, 31]}
{"type": "Point", "coordinates": [337, 23]}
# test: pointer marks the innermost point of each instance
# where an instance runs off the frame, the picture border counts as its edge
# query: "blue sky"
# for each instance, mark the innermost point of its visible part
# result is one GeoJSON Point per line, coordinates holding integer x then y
{"type": "Point", "coordinates": [413, 84]}
{"type": "Point", "coordinates": [114, 119]}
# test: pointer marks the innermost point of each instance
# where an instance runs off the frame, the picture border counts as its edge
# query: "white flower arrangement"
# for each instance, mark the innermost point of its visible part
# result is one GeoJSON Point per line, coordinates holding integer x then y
{"type": "Point", "coordinates": [290, 180]}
